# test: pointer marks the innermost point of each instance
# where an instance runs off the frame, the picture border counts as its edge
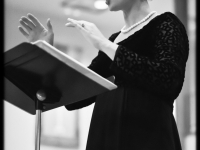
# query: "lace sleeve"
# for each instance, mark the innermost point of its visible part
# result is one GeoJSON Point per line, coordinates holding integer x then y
{"type": "Point", "coordinates": [164, 72]}
{"type": "Point", "coordinates": [100, 65]}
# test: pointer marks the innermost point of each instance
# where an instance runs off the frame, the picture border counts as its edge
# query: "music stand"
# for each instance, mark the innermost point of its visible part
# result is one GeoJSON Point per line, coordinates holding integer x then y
{"type": "Point", "coordinates": [39, 77]}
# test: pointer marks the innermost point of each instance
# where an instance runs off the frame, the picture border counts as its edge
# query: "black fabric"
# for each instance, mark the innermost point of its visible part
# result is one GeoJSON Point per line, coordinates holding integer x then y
{"type": "Point", "coordinates": [149, 69]}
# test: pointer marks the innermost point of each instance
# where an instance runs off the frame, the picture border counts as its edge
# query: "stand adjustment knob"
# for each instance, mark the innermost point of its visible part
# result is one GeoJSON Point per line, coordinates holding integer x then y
{"type": "Point", "coordinates": [41, 95]}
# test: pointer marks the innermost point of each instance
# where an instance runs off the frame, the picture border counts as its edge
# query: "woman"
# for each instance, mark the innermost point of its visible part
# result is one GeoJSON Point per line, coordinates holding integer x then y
{"type": "Point", "coordinates": [147, 58]}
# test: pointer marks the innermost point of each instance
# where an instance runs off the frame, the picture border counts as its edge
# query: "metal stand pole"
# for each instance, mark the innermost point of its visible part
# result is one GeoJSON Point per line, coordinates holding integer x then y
{"type": "Point", "coordinates": [40, 95]}
{"type": "Point", "coordinates": [38, 130]}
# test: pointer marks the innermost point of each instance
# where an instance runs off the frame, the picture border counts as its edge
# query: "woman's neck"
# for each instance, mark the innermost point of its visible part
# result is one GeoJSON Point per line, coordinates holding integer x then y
{"type": "Point", "coordinates": [136, 12]}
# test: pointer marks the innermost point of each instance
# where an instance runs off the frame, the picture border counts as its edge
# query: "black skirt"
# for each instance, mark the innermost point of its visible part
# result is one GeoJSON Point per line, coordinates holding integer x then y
{"type": "Point", "coordinates": [127, 118]}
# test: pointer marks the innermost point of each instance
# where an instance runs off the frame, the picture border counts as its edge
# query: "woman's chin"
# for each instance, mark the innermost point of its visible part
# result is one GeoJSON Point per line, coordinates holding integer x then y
{"type": "Point", "coordinates": [112, 8]}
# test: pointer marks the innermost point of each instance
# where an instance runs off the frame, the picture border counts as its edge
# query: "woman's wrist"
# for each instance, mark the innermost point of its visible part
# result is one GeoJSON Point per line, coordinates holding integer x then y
{"type": "Point", "coordinates": [109, 48]}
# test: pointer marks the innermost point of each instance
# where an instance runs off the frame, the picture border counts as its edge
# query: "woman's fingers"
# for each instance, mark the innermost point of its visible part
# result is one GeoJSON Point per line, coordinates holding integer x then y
{"type": "Point", "coordinates": [28, 22]}
{"type": "Point", "coordinates": [75, 23]}
{"type": "Point", "coordinates": [49, 26]}
{"type": "Point", "coordinates": [22, 31]}
{"type": "Point", "coordinates": [25, 25]}
{"type": "Point", "coordinates": [72, 20]}
{"type": "Point", "coordinates": [34, 20]}
{"type": "Point", "coordinates": [69, 24]}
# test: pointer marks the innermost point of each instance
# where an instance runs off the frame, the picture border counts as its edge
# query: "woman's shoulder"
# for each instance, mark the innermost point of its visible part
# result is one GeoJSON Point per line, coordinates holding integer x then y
{"type": "Point", "coordinates": [167, 19]}
{"type": "Point", "coordinates": [166, 15]}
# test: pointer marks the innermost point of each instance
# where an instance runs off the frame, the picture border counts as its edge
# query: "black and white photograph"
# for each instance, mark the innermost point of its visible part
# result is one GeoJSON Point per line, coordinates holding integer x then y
{"type": "Point", "coordinates": [100, 75]}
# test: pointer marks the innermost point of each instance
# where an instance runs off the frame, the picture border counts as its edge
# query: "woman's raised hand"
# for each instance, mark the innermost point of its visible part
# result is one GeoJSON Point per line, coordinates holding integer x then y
{"type": "Point", "coordinates": [33, 30]}
{"type": "Point", "coordinates": [89, 31]}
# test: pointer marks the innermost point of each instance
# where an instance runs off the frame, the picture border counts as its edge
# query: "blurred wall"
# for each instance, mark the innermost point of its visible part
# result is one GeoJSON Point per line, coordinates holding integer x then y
{"type": "Point", "coordinates": [186, 104]}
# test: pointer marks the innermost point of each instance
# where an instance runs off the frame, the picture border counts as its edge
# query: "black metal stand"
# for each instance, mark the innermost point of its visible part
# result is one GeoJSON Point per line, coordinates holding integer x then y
{"type": "Point", "coordinates": [40, 96]}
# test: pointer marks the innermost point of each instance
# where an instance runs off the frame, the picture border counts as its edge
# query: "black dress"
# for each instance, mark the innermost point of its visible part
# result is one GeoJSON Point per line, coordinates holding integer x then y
{"type": "Point", "coordinates": [149, 69]}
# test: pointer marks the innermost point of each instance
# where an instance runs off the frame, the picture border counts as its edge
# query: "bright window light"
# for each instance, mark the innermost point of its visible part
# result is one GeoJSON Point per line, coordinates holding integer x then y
{"type": "Point", "coordinates": [100, 4]}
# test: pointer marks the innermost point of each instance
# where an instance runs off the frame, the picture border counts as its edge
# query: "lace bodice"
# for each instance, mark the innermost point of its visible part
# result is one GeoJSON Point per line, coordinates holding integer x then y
{"type": "Point", "coordinates": [153, 58]}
